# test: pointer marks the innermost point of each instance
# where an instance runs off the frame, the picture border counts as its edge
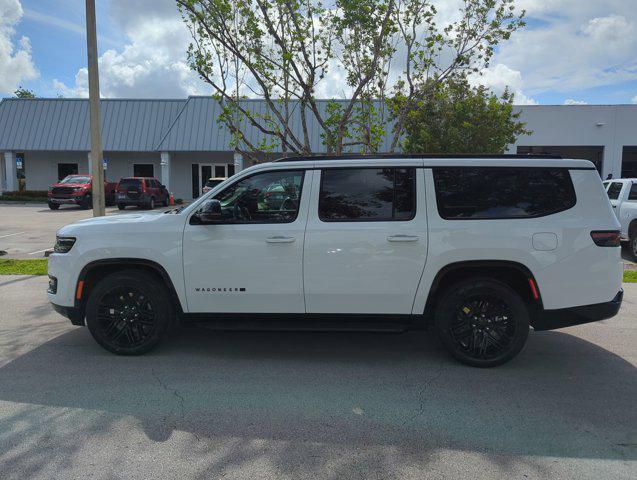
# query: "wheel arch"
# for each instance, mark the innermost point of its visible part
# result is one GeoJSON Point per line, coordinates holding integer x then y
{"type": "Point", "coordinates": [93, 271]}
{"type": "Point", "coordinates": [514, 274]}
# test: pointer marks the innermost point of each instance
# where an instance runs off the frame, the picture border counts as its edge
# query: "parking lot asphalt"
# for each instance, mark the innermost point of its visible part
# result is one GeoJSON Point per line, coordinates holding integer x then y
{"type": "Point", "coordinates": [304, 405]}
{"type": "Point", "coordinates": [27, 230]}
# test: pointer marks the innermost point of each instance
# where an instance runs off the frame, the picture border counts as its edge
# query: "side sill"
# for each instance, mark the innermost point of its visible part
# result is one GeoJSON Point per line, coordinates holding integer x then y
{"type": "Point", "coordinates": [567, 317]}
{"type": "Point", "coordinates": [304, 322]}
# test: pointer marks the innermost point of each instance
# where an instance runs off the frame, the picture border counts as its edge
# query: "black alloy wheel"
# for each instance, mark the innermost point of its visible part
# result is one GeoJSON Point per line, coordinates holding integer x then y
{"type": "Point", "coordinates": [128, 312]}
{"type": "Point", "coordinates": [482, 322]}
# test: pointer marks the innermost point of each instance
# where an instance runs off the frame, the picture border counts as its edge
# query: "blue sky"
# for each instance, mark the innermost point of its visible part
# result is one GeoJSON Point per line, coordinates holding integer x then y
{"type": "Point", "coordinates": [572, 51]}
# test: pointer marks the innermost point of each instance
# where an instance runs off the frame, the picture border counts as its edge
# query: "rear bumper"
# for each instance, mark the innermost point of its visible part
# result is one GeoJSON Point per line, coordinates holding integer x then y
{"type": "Point", "coordinates": [567, 317]}
{"type": "Point", "coordinates": [72, 313]}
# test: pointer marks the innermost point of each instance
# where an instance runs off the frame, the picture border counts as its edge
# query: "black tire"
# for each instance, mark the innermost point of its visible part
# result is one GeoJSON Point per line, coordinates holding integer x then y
{"type": "Point", "coordinates": [53, 206]}
{"type": "Point", "coordinates": [151, 204]}
{"type": "Point", "coordinates": [632, 243]}
{"type": "Point", "coordinates": [121, 206]}
{"type": "Point", "coordinates": [129, 312]}
{"type": "Point", "coordinates": [87, 203]}
{"type": "Point", "coordinates": [482, 322]}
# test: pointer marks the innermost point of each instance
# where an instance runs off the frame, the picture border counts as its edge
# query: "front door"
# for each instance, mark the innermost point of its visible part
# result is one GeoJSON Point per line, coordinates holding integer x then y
{"type": "Point", "coordinates": [251, 260]}
{"type": "Point", "coordinates": [366, 240]}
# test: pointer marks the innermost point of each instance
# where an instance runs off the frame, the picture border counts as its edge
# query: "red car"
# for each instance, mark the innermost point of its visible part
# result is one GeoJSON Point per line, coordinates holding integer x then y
{"type": "Point", "coordinates": [77, 190]}
{"type": "Point", "coordinates": [145, 192]}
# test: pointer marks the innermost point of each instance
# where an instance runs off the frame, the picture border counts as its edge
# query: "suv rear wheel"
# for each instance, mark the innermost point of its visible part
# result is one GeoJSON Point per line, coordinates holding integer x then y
{"type": "Point", "coordinates": [632, 242]}
{"type": "Point", "coordinates": [482, 322]}
{"type": "Point", "coordinates": [128, 312]}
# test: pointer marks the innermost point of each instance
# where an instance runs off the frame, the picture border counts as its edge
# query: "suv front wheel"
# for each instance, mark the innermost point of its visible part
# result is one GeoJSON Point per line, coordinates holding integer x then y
{"type": "Point", "coordinates": [128, 312]}
{"type": "Point", "coordinates": [482, 322]}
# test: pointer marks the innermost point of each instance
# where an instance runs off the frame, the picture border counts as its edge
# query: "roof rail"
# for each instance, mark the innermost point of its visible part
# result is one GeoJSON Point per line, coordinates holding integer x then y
{"type": "Point", "coordinates": [404, 155]}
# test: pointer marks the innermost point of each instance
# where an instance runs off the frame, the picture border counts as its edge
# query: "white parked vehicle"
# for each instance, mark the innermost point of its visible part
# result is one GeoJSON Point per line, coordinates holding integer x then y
{"type": "Point", "coordinates": [476, 249]}
{"type": "Point", "coordinates": [623, 197]}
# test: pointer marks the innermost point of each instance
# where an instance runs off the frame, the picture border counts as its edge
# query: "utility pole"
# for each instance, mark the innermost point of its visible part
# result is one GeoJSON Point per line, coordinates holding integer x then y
{"type": "Point", "coordinates": [97, 168]}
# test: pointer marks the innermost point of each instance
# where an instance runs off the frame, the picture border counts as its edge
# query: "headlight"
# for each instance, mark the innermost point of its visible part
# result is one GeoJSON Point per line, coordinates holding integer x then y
{"type": "Point", "coordinates": [78, 189]}
{"type": "Point", "coordinates": [63, 244]}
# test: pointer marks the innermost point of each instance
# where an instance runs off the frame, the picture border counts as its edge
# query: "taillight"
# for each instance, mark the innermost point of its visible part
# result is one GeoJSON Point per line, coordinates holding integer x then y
{"type": "Point", "coordinates": [143, 186]}
{"type": "Point", "coordinates": [606, 238]}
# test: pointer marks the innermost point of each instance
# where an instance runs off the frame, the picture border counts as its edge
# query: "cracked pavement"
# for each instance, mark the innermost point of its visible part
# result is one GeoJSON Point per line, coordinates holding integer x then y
{"type": "Point", "coordinates": [305, 405]}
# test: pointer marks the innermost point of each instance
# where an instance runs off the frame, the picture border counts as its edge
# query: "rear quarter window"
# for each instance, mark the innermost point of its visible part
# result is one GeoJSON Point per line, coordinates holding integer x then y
{"type": "Point", "coordinates": [482, 193]}
{"type": "Point", "coordinates": [614, 190]}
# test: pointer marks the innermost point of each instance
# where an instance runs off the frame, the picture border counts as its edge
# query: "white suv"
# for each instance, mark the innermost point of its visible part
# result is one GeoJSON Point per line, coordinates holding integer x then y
{"type": "Point", "coordinates": [477, 249]}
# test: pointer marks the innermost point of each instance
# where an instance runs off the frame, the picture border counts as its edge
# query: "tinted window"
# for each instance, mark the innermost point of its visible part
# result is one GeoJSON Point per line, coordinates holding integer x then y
{"type": "Point", "coordinates": [633, 192]}
{"type": "Point", "coordinates": [614, 190]}
{"type": "Point", "coordinates": [130, 182]}
{"type": "Point", "coordinates": [367, 194]}
{"type": "Point", "coordinates": [270, 197]}
{"type": "Point", "coordinates": [483, 193]}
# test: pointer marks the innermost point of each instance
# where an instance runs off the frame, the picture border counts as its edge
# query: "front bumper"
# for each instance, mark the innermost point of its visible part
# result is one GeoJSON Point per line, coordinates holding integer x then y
{"type": "Point", "coordinates": [72, 313]}
{"type": "Point", "coordinates": [66, 201]}
{"type": "Point", "coordinates": [567, 317]}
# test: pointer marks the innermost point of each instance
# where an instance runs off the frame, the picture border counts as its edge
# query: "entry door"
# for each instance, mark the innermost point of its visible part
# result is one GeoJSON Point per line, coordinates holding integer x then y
{"type": "Point", "coordinates": [366, 240]}
{"type": "Point", "coordinates": [250, 261]}
{"type": "Point", "coordinates": [211, 170]}
{"type": "Point", "coordinates": [205, 173]}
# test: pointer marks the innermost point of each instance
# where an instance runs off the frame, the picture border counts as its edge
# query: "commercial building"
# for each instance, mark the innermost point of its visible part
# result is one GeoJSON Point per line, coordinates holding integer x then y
{"type": "Point", "coordinates": [182, 143]}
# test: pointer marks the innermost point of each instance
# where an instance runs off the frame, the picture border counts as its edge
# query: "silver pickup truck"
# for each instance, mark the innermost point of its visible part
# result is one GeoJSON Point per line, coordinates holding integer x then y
{"type": "Point", "coordinates": [623, 197]}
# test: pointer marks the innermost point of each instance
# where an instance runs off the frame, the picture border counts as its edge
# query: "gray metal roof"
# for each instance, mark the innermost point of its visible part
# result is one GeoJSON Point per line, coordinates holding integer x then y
{"type": "Point", "coordinates": [137, 125]}
{"type": "Point", "coordinates": [63, 124]}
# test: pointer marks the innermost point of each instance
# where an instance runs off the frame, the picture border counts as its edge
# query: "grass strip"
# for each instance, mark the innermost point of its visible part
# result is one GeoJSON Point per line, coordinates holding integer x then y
{"type": "Point", "coordinates": [10, 266]}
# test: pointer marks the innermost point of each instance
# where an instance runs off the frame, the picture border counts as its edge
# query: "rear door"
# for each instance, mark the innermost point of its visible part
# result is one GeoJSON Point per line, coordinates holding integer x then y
{"type": "Point", "coordinates": [366, 240]}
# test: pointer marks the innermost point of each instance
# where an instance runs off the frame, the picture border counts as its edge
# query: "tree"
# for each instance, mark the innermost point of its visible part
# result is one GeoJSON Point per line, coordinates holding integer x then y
{"type": "Point", "coordinates": [284, 51]}
{"type": "Point", "coordinates": [24, 93]}
{"type": "Point", "coordinates": [459, 118]}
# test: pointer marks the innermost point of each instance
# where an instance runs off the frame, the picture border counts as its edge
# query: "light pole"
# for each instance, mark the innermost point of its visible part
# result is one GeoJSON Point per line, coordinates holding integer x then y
{"type": "Point", "coordinates": [97, 169]}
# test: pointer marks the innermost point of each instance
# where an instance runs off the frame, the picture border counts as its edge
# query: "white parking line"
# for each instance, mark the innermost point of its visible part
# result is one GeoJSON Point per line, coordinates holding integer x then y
{"type": "Point", "coordinates": [40, 251]}
{"type": "Point", "coordinates": [11, 234]}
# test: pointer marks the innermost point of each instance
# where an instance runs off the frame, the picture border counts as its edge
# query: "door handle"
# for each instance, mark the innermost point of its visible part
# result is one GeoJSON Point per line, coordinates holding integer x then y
{"type": "Point", "coordinates": [280, 239]}
{"type": "Point", "coordinates": [403, 238]}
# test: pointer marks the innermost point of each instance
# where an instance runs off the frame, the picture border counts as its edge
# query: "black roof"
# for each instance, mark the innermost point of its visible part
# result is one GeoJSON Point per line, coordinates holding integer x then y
{"type": "Point", "coordinates": [405, 155]}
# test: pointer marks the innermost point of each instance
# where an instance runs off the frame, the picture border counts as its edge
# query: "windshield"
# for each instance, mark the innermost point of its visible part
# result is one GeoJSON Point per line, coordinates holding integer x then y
{"type": "Point", "coordinates": [129, 182]}
{"type": "Point", "coordinates": [76, 179]}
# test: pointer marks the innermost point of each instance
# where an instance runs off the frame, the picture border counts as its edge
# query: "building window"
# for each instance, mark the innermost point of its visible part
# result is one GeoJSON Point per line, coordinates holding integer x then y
{"type": "Point", "coordinates": [195, 180]}
{"type": "Point", "coordinates": [593, 153]}
{"type": "Point", "coordinates": [629, 162]}
{"type": "Point", "coordinates": [220, 171]}
{"type": "Point", "coordinates": [143, 170]}
{"type": "Point", "coordinates": [66, 169]}
{"type": "Point", "coordinates": [230, 170]}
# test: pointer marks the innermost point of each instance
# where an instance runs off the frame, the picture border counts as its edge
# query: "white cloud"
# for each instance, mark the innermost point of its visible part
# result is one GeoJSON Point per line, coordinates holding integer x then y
{"type": "Point", "coordinates": [613, 28]}
{"type": "Point", "coordinates": [634, 99]}
{"type": "Point", "coordinates": [16, 64]}
{"type": "Point", "coordinates": [572, 101]}
{"type": "Point", "coordinates": [498, 77]}
{"type": "Point", "coordinates": [151, 64]}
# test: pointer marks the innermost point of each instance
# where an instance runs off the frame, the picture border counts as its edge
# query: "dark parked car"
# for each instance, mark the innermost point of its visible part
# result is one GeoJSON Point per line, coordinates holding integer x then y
{"type": "Point", "coordinates": [77, 190]}
{"type": "Point", "coordinates": [143, 192]}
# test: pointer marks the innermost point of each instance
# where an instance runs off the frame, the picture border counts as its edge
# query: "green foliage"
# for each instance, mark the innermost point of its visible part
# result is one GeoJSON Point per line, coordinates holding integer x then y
{"type": "Point", "coordinates": [630, 276]}
{"type": "Point", "coordinates": [24, 93]}
{"type": "Point", "coordinates": [459, 118]}
{"type": "Point", "coordinates": [283, 52]}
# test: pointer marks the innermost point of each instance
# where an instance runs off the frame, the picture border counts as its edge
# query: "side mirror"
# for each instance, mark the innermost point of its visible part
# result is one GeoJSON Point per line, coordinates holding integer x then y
{"type": "Point", "coordinates": [209, 212]}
